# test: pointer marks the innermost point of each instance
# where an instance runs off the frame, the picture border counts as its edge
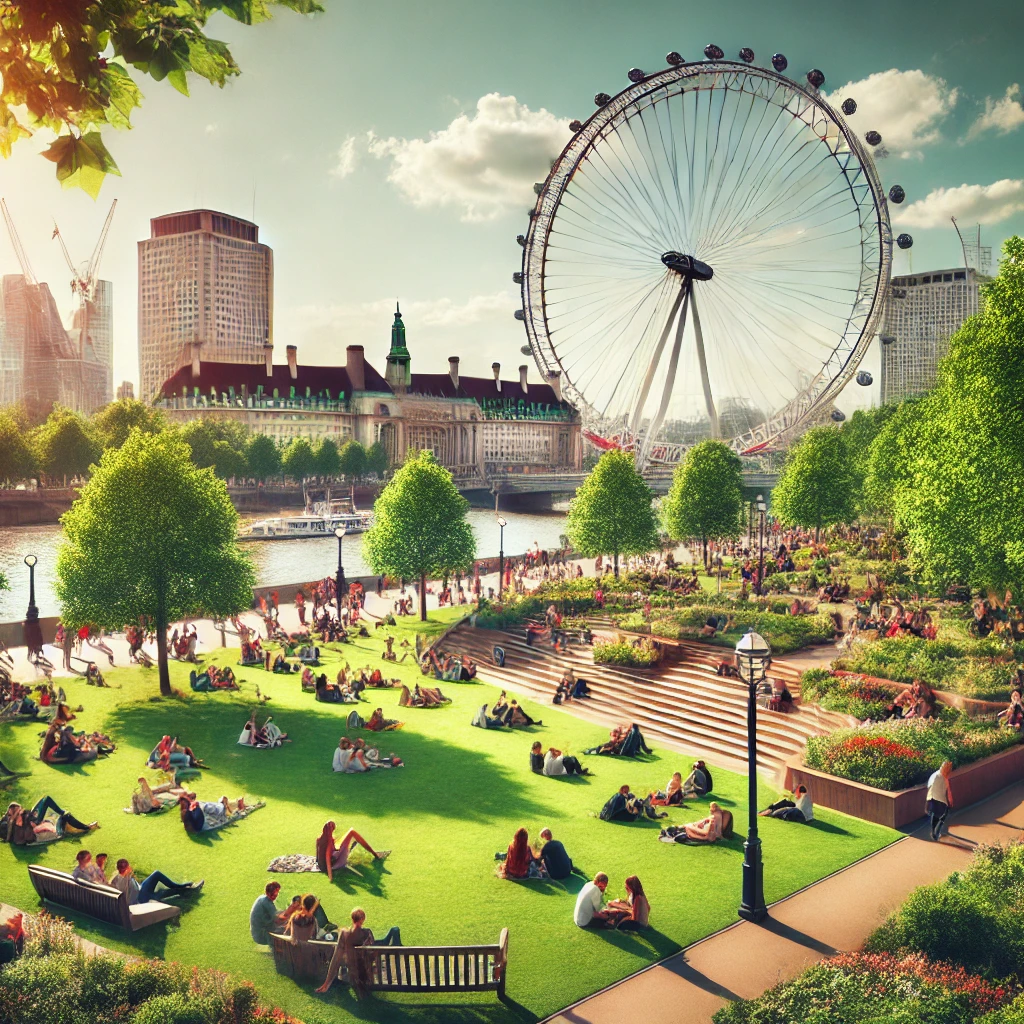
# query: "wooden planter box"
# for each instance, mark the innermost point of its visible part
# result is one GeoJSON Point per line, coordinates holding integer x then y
{"type": "Point", "coordinates": [968, 785]}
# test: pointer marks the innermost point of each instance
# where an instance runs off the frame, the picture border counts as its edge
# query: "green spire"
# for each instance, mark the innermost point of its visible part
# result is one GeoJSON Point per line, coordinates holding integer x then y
{"type": "Point", "coordinates": [398, 372]}
{"type": "Point", "coordinates": [398, 335]}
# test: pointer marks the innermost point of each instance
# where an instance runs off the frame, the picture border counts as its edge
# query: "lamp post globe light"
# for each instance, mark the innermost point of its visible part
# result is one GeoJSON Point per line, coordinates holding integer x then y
{"type": "Point", "coordinates": [762, 509]}
{"type": "Point", "coordinates": [501, 554]}
{"type": "Point", "coordinates": [340, 582]}
{"type": "Point", "coordinates": [753, 656]}
{"type": "Point", "coordinates": [32, 630]}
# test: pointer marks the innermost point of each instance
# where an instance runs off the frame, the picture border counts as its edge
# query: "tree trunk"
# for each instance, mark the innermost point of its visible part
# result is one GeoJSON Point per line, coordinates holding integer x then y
{"type": "Point", "coordinates": [615, 563]}
{"type": "Point", "coordinates": [161, 657]}
{"type": "Point", "coordinates": [704, 547]}
{"type": "Point", "coordinates": [423, 597]}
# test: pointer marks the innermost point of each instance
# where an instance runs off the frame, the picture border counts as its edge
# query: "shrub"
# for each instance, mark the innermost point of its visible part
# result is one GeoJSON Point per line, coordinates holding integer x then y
{"type": "Point", "coordinates": [858, 697]}
{"type": "Point", "coordinates": [178, 1009]}
{"type": "Point", "coordinates": [783, 632]}
{"type": "Point", "coordinates": [642, 655]}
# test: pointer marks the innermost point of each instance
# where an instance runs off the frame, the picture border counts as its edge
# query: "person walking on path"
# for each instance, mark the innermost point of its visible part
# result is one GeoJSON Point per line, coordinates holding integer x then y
{"type": "Point", "coordinates": [939, 799]}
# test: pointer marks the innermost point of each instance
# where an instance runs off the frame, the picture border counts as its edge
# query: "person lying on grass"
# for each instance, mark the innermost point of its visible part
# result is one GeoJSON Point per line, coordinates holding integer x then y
{"type": "Point", "coordinates": [22, 827]}
{"type": "Point", "coordinates": [263, 736]}
{"type": "Point", "coordinates": [206, 815]}
{"type": "Point", "coordinates": [125, 881]}
{"type": "Point", "coordinates": [378, 723]}
{"type": "Point", "coordinates": [350, 939]}
{"type": "Point", "coordinates": [627, 806]}
{"type": "Point", "coordinates": [331, 856]}
{"type": "Point", "coordinates": [798, 809]}
{"type": "Point", "coordinates": [632, 913]}
{"type": "Point", "coordinates": [149, 799]}
{"type": "Point", "coordinates": [168, 754]}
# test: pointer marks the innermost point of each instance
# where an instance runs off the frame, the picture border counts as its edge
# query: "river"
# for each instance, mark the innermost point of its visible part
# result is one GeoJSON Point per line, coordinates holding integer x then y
{"type": "Point", "coordinates": [277, 562]}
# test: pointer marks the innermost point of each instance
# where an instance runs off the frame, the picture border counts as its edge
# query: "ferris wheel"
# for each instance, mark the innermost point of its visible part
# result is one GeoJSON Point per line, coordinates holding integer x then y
{"type": "Point", "coordinates": [709, 257]}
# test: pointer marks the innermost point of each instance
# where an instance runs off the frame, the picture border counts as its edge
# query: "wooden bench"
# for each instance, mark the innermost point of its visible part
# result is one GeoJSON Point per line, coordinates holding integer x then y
{"type": "Point", "coordinates": [404, 968]}
{"type": "Point", "coordinates": [100, 901]}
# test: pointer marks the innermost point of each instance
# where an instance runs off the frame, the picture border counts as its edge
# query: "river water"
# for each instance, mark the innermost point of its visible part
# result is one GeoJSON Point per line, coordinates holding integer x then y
{"type": "Point", "coordinates": [278, 562]}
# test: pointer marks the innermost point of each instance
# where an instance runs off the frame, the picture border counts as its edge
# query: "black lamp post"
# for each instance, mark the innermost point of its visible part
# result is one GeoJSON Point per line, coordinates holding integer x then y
{"type": "Point", "coordinates": [761, 510]}
{"type": "Point", "coordinates": [340, 582]}
{"type": "Point", "coordinates": [33, 632]}
{"type": "Point", "coordinates": [501, 554]}
{"type": "Point", "coordinates": [753, 656]}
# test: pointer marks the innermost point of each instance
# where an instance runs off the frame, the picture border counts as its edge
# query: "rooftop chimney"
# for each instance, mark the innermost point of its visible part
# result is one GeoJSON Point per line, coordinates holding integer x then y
{"type": "Point", "coordinates": [453, 370]}
{"type": "Point", "coordinates": [195, 359]}
{"type": "Point", "coordinates": [522, 378]}
{"type": "Point", "coordinates": [356, 367]}
{"type": "Point", "coordinates": [293, 367]}
{"type": "Point", "coordinates": [496, 369]}
{"type": "Point", "coordinates": [268, 356]}
{"type": "Point", "coordinates": [555, 380]}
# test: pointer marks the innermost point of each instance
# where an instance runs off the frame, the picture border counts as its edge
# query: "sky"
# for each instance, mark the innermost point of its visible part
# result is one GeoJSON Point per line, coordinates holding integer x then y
{"type": "Point", "coordinates": [387, 150]}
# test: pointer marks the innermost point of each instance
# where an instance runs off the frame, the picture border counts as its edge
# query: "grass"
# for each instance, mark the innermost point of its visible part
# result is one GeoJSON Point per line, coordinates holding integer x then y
{"type": "Point", "coordinates": [459, 800]}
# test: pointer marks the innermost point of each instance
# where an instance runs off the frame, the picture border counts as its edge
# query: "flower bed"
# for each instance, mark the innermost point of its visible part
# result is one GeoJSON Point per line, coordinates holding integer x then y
{"type": "Point", "coordinates": [854, 695]}
{"type": "Point", "coordinates": [623, 652]}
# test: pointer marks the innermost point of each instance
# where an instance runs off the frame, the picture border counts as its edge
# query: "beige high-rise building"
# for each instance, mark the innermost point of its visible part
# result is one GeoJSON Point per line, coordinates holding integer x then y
{"type": "Point", "coordinates": [206, 292]}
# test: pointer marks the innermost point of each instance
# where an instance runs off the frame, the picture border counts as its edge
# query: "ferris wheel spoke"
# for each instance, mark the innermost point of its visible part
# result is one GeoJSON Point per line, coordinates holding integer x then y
{"type": "Point", "coordinates": [606, 180]}
{"type": "Point", "coordinates": [623, 229]}
{"type": "Point", "coordinates": [726, 164]}
{"type": "Point", "coordinates": [652, 365]}
{"type": "Point", "coordinates": [645, 151]}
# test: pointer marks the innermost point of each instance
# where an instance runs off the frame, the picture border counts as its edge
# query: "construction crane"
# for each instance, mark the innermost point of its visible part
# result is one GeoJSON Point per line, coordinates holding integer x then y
{"type": "Point", "coordinates": [83, 280]}
{"type": "Point", "coordinates": [19, 249]}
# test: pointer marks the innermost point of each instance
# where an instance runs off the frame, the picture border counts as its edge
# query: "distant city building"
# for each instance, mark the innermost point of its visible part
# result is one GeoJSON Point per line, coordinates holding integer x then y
{"type": "Point", "coordinates": [95, 316]}
{"type": "Point", "coordinates": [922, 311]}
{"type": "Point", "coordinates": [473, 425]}
{"type": "Point", "coordinates": [42, 363]}
{"type": "Point", "coordinates": [206, 286]}
{"type": "Point", "coordinates": [126, 389]}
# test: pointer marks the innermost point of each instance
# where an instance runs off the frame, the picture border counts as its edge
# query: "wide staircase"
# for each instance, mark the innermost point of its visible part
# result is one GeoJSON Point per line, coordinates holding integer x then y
{"type": "Point", "coordinates": [683, 702]}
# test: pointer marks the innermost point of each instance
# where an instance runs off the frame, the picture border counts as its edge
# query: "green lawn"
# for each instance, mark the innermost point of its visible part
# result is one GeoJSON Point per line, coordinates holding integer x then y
{"type": "Point", "coordinates": [459, 800]}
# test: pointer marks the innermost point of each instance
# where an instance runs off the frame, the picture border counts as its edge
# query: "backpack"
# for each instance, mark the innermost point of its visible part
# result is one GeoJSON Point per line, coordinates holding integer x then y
{"type": "Point", "coordinates": [354, 721]}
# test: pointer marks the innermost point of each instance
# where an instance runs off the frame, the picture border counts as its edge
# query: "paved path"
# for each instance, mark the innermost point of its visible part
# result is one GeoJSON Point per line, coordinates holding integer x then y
{"type": "Point", "coordinates": [835, 914]}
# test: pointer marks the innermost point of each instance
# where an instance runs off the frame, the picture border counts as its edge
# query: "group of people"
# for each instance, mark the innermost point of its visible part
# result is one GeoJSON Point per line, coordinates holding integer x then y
{"type": "Point", "coordinates": [629, 914]}
{"type": "Point", "coordinates": [263, 736]}
{"type": "Point", "coordinates": [554, 762]}
{"type": "Point", "coordinates": [422, 697]}
{"type": "Point", "coordinates": [504, 714]}
{"type": "Point", "coordinates": [155, 885]}
{"type": "Point", "coordinates": [63, 745]}
{"type": "Point", "coordinates": [570, 687]}
{"type": "Point", "coordinates": [42, 823]}
{"type": "Point", "coordinates": [213, 677]}
{"type": "Point", "coordinates": [623, 741]}
{"type": "Point", "coordinates": [548, 859]}
{"type": "Point", "coordinates": [353, 756]}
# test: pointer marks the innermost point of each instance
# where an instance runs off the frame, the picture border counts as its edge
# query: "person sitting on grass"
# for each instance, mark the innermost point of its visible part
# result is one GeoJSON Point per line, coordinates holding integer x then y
{"type": "Point", "coordinates": [515, 863]}
{"type": "Point", "coordinates": [280, 664]}
{"type": "Point", "coordinates": [484, 721]}
{"type": "Point", "coordinates": [302, 925]}
{"type": "Point", "coordinates": [124, 880]}
{"type": "Point", "coordinates": [798, 809]}
{"type": "Point", "coordinates": [556, 763]}
{"type": "Point", "coordinates": [707, 830]}
{"type": "Point", "coordinates": [672, 796]}
{"type": "Point", "coordinates": [552, 853]}
{"type": "Point", "coordinates": [378, 723]}
{"type": "Point", "coordinates": [331, 857]}
{"type": "Point", "coordinates": [632, 913]}
{"type": "Point", "coordinates": [614, 743]}
{"type": "Point", "coordinates": [263, 917]}
{"type": "Point", "coordinates": [698, 783]}
{"type": "Point", "coordinates": [590, 911]}
{"type": "Point", "coordinates": [326, 693]}
{"type": "Point", "coordinates": [21, 827]}
{"type": "Point", "coordinates": [1013, 715]}
{"type": "Point", "coordinates": [537, 758]}
{"type": "Point", "coordinates": [634, 744]}
{"type": "Point", "coordinates": [308, 680]}
{"type": "Point", "coordinates": [349, 940]}
{"type": "Point", "coordinates": [626, 806]}
{"type": "Point", "coordinates": [349, 758]}
{"type": "Point", "coordinates": [264, 736]}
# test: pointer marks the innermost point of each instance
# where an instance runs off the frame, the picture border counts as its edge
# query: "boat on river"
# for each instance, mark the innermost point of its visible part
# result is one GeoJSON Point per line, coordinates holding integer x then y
{"type": "Point", "coordinates": [321, 517]}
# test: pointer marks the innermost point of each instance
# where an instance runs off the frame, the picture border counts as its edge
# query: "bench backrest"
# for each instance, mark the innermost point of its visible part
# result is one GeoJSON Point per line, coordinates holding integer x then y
{"type": "Point", "coordinates": [100, 901]}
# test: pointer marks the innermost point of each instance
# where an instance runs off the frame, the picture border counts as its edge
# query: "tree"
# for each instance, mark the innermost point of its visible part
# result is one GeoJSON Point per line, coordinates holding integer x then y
{"type": "Point", "coordinates": [17, 460]}
{"type": "Point", "coordinates": [960, 501]}
{"type": "Point", "coordinates": [612, 511]}
{"type": "Point", "coordinates": [890, 455]}
{"type": "Point", "coordinates": [328, 462]}
{"type": "Point", "coordinates": [64, 65]}
{"type": "Point", "coordinates": [298, 460]}
{"type": "Point", "coordinates": [706, 495]}
{"type": "Point", "coordinates": [353, 460]}
{"type": "Point", "coordinates": [210, 438]}
{"type": "Point", "coordinates": [114, 422]}
{"type": "Point", "coordinates": [65, 444]}
{"type": "Point", "coordinates": [263, 457]}
{"type": "Point", "coordinates": [228, 462]}
{"type": "Point", "coordinates": [420, 529]}
{"type": "Point", "coordinates": [858, 433]}
{"type": "Point", "coordinates": [151, 536]}
{"type": "Point", "coordinates": [377, 461]}
{"type": "Point", "coordinates": [816, 487]}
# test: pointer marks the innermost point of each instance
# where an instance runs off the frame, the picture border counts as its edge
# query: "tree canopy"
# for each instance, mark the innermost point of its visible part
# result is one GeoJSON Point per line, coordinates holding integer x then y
{"type": "Point", "coordinates": [816, 487]}
{"type": "Point", "coordinates": [17, 459]}
{"type": "Point", "coordinates": [377, 460]}
{"type": "Point", "coordinates": [858, 433]}
{"type": "Point", "coordinates": [263, 457]}
{"type": "Point", "coordinates": [328, 462]}
{"type": "Point", "coordinates": [64, 66]}
{"type": "Point", "coordinates": [706, 495]}
{"type": "Point", "coordinates": [298, 460]}
{"type": "Point", "coordinates": [612, 511]}
{"type": "Point", "coordinates": [352, 459]}
{"type": "Point", "coordinates": [151, 536]}
{"type": "Point", "coordinates": [114, 422]}
{"type": "Point", "coordinates": [66, 444]}
{"type": "Point", "coordinates": [420, 529]}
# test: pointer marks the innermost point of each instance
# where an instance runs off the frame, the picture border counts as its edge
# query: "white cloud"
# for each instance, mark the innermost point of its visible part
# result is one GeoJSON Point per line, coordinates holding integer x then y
{"type": "Point", "coordinates": [1002, 116]}
{"type": "Point", "coordinates": [211, 129]}
{"type": "Point", "coordinates": [906, 107]}
{"type": "Point", "coordinates": [484, 163]}
{"type": "Point", "coordinates": [346, 162]}
{"type": "Point", "coordinates": [973, 204]}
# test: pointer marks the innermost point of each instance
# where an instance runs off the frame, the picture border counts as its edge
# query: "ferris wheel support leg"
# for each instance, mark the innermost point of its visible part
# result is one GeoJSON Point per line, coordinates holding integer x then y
{"type": "Point", "coordinates": [652, 366]}
{"type": "Point", "coordinates": [709, 400]}
{"type": "Point", "coordinates": [670, 377]}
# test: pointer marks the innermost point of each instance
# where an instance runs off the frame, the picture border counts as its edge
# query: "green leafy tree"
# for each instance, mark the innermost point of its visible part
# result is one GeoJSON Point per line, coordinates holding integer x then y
{"type": "Point", "coordinates": [816, 487]}
{"type": "Point", "coordinates": [961, 503]}
{"type": "Point", "coordinates": [377, 461]}
{"type": "Point", "coordinates": [420, 529]}
{"type": "Point", "coordinates": [890, 455]}
{"type": "Point", "coordinates": [114, 422]}
{"type": "Point", "coordinates": [353, 460]}
{"type": "Point", "coordinates": [228, 462]}
{"type": "Point", "coordinates": [612, 511]}
{"type": "Point", "coordinates": [64, 66]}
{"type": "Point", "coordinates": [263, 457]}
{"type": "Point", "coordinates": [17, 459]}
{"type": "Point", "coordinates": [208, 435]}
{"type": "Point", "coordinates": [328, 462]}
{"type": "Point", "coordinates": [298, 460]}
{"type": "Point", "coordinates": [706, 495]}
{"type": "Point", "coordinates": [151, 535]}
{"type": "Point", "coordinates": [65, 445]}
{"type": "Point", "coordinates": [858, 433]}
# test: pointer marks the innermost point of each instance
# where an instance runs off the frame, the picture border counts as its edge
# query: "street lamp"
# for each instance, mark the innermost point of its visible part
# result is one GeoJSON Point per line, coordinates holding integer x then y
{"type": "Point", "coordinates": [32, 630]}
{"type": "Point", "coordinates": [501, 554]}
{"type": "Point", "coordinates": [340, 582]}
{"type": "Point", "coordinates": [761, 510]}
{"type": "Point", "coordinates": [753, 656]}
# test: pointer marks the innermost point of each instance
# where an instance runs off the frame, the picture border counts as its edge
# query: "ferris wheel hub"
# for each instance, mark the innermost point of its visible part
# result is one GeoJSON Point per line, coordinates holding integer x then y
{"type": "Point", "coordinates": [687, 266]}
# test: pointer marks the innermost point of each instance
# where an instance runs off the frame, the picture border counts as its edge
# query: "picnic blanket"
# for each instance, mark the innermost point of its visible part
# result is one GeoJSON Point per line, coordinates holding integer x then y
{"type": "Point", "coordinates": [294, 864]}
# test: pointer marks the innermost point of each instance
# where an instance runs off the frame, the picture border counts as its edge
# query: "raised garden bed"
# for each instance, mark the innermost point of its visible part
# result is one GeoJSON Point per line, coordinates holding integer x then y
{"type": "Point", "coordinates": [969, 784]}
{"type": "Point", "coordinates": [969, 705]}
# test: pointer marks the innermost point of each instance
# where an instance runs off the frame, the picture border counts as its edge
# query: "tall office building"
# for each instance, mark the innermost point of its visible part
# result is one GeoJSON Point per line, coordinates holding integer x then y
{"type": "Point", "coordinates": [206, 291]}
{"type": "Point", "coordinates": [922, 311]}
{"type": "Point", "coordinates": [94, 318]}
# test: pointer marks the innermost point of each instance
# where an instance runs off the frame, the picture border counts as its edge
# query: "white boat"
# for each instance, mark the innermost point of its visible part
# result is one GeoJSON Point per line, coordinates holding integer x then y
{"type": "Point", "coordinates": [320, 519]}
